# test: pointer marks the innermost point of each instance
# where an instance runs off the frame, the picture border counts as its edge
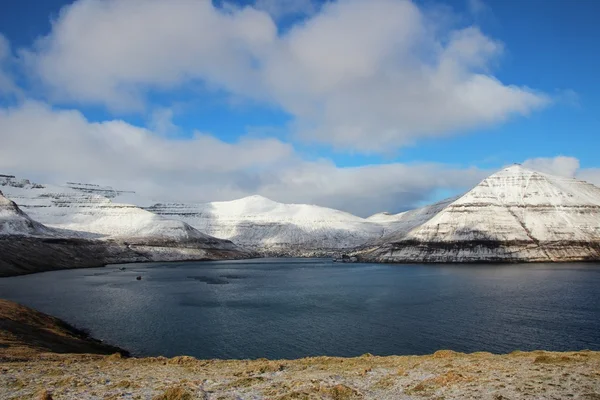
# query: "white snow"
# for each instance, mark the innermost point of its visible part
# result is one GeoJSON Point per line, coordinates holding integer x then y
{"type": "Point", "coordinates": [14, 222]}
{"type": "Point", "coordinates": [535, 214]}
{"type": "Point", "coordinates": [92, 215]}
{"type": "Point", "coordinates": [519, 204]}
{"type": "Point", "coordinates": [262, 223]}
{"type": "Point", "coordinates": [524, 209]}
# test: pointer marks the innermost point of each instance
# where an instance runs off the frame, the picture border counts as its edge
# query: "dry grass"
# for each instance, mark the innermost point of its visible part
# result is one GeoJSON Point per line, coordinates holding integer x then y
{"type": "Point", "coordinates": [343, 392]}
{"type": "Point", "coordinates": [549, 359]}
{"type": "Point", "coordinates": [245, 382]}
{"type": "Point", "coordinates": [45, 395]}
{"type": "Point", "coordinates": [447, 379]}
{"type": "Point", "coordinates": [386, 382]}
{"type": "Point", "coordinates": [174, 393]}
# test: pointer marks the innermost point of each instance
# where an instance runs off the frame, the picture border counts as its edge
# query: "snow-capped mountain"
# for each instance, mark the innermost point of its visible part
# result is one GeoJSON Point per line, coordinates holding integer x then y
{"type": "Point", "coordinates": [275, 228]}
{"type": "Point", "coordinates": [13, 221]}
{"type": "Point", "coordinates": [407, 220]}
{"type": "Point", "coordinates": [514, 215]}
{"type": "Point", "coordinates": [90, 214]}
{"type": "Point", "coordinates": [64, 227]}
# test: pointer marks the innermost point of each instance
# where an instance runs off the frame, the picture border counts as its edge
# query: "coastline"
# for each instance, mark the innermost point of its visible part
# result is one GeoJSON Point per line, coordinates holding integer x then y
{"type": "Point", "coordinates": [31, 367]}
{"type": "Point", "coordinates": [10, 270]}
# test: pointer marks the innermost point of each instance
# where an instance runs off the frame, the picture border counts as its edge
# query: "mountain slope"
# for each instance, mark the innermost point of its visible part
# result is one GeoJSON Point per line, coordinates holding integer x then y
{"type": "Point", "coordinates": [513, 215]}
{"type": "Point", "coordinates": [276, 228]}
{"type": "Point", "coordinates": [13, 221]}
{"type": "Point", "coordinates": [89, 214]}
{"type": "Point", "coordinates": [89, 230]}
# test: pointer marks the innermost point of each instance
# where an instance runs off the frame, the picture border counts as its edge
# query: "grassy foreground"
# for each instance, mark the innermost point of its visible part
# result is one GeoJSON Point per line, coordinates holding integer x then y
{"type": "Point", "coordinates": [41, 369]}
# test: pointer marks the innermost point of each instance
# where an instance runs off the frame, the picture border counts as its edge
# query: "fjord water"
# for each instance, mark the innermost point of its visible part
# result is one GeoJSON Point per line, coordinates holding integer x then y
{"type": "Point", "coordinates": [290, 308]}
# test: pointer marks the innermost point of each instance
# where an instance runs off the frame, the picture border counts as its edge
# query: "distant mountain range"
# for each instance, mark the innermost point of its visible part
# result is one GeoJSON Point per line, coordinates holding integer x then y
{"type": "Point", "coordinates": [88, 230]}
{"type": "Point", "coordinates": [514, 215]}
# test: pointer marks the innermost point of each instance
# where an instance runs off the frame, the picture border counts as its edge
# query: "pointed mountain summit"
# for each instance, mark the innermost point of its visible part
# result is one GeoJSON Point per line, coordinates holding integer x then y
{"type": "Point", "coordinates": [13, 221]}
{"type": "Point", "coordinates": [513, 215]}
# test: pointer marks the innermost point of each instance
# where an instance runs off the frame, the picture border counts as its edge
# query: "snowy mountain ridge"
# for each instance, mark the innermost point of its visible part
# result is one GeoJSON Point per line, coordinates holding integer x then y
{"type": "Point", "coordinates": [514, 214]}
{"type": "Point", "coordinates": [15, 222]}
{"type": "Point", "coordinates": [276, 228]}
{"type": "Point", "coordinates": [91, 231]}
{"type": "Point", "coordinates": [91, 215]}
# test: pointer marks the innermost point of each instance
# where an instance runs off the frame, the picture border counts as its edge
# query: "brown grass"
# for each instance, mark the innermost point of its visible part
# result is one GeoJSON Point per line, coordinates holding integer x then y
{"type": "Point", "coordinates": [245, 382]}
{"type": "Point", "coordinates": [174, 393]}
{"type": "Point", "coordinates": [45, 395]}
{"type": "Point", "coordinates": [548, 359]}
{"type": "Point", "coordinates": [343, 392]}
{"type": "Point", "coordinates": [447, 379]}
{"type": "Point", "coordinates": [386, 382]}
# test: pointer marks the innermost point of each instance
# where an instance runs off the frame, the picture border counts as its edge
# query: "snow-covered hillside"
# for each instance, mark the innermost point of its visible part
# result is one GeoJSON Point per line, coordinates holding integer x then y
{"type": "Point", "coordinates": [397, 224]}
{"type": "Point", "coordinates": [515, 214]}
{"type": "Point", "coordinates": [90, 231]}
{"type": "Point", "coordinates": [13, 221]}
{"type": "Point", "coordinates": [276, 228]}
{"type": "Point", "coordinates": [84, 210]}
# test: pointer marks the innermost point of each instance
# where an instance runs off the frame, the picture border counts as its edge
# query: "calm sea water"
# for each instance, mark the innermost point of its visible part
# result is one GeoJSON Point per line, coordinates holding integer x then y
{"type": "Point", "coordinates": [292, 308]}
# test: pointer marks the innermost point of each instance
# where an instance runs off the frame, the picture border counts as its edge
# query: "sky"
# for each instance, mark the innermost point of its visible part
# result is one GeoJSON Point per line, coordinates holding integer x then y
{"type": "Point", "coordinates": [359, 105]}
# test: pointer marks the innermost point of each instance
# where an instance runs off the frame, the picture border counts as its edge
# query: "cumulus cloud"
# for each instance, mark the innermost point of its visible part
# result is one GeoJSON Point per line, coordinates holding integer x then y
{"type": "Point", "coordinates": [108, 51]}
{"type": "Point", "coordinates": [560, 165]}
{"type": "Point", "coordinates": [364, 75]}
{"type": "Point", "coordinates": [54, 146]}
{"type": "Point", "coordinates": [564, 166]}
{"type": "Point", "coordinates": [591, 175]}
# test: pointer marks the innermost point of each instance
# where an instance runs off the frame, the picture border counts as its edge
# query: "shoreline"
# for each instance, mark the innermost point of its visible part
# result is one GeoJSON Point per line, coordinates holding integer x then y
{"type": "Point", "coordinates": [10, 274]}
{"type": "Point", "coordinates": [38, 358]}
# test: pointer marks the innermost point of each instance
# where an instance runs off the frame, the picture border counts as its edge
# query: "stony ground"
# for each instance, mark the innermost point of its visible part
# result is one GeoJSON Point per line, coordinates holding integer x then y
{"type": "Point", "coordinates": [443, 375]}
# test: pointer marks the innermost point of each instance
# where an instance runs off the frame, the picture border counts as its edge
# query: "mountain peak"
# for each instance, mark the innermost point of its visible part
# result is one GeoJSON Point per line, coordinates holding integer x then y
{"type": "Point", "coordinates": [13, 221]}
{"type": "Point", "coordinates": [6, 204]}
{"type": "Point", "coordinates": [256, 199]}
{"type": "Point", "coordinates": [515, 169]}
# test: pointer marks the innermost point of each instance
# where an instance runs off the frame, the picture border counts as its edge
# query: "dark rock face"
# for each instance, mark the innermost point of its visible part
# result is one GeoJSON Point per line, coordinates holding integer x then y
{"type": "Point", "coordinates": [24, 255]}
{"type": "Point", "coordinates": [483, 251]}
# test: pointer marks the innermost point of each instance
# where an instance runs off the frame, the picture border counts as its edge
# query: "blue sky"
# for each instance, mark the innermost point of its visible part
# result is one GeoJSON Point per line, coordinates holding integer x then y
{"type": "Point", "coordinates": [414, 102]}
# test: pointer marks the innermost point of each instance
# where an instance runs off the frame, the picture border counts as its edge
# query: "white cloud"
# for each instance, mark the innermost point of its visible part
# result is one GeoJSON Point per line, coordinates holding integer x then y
{"type": "Point", "coordinates": [564, 166]}
{"type": "Point", "coordinates": [65, 142]}
{"type": "Point", "coordinates": [591, 175]}
{"type": "Point", "coordinates": [560, 165]}
{"type": "Point", "coordinates": [365, 75]}
{"type": "Point", "coordinates": [111, 51]}
{"type": "Point", "coordinates": [55, 146]}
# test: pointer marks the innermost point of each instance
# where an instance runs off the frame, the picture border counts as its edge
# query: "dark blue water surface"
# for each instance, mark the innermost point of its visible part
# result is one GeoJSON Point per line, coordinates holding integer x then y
{"type": "Point", "coordinates": [289, 308]}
